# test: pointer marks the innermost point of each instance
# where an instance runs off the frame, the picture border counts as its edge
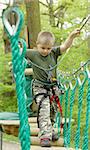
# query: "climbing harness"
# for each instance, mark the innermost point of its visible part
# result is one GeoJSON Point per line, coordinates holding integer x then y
{"type": "Point", "coordinates": [53, 97]}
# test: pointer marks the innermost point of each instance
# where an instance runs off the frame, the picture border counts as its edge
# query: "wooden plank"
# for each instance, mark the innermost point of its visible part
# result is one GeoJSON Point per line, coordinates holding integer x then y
{"type": "Point", "coordinates": [36, 141]}
{"type": "Point", "coordinates": [50, 148]}
{"type": "Point", "coordinates": [31, 120]}
{"type": "Point", "coordinates": [13, 130]}
{"type": "Point", "coordinates": [16, 146]}
{"type": "Point", "coordinates": [11, 126]}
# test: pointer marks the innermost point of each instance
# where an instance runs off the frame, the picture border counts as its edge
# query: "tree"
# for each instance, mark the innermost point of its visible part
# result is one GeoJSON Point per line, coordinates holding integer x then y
{"type": "Point", "coordinates": [33, 21]}
{"type": "Point", "coordinates": [56, 12]}
{"type": "Point", "coordinates": [50, 9]}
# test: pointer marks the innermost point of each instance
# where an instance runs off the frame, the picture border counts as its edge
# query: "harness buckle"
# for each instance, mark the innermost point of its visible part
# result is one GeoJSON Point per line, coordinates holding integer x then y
{"type": "Point", "coordinates": [53, 80]}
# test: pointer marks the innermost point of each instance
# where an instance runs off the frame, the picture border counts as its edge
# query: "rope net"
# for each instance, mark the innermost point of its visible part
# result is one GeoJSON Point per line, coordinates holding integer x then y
{"type": "Point", "coordinates": [76, 105]}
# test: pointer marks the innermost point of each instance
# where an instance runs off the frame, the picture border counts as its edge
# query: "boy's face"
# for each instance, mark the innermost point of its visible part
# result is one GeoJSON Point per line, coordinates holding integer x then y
{"type": "Point", "coordinates": [44, 49]}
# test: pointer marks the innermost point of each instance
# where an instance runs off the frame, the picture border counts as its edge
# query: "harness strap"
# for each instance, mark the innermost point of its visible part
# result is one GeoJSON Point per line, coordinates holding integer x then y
{"type": "Point", "coordinates": [58, 104]}
{"type": "Point", "coordinates": [44, 94]}
{"type": "Point", "coordinates": [54, 96]}
{"type": "Point", "coordinates": [40, 103]}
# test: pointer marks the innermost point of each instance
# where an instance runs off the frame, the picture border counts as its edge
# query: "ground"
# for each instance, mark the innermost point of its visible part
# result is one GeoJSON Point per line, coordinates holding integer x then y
{"type": "Point", "coordinates": [10, 146]}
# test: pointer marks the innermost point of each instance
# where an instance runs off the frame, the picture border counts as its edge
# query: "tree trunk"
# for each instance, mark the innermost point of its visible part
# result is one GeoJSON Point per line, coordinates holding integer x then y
{"type": "Point", "coordinates": [33, 21]}
{"type": "Point", "coordinates": [52, 19]}
{"type": "Point", "coordinates": [60, 15]}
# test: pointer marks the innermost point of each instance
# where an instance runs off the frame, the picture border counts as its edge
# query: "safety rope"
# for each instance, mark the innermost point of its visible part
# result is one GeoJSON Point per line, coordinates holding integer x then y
{"type": "Point", "coordinates": [85, 145]}
{"type": "Point", "coordinates": [72, 96]}
{"type": "Point", "coordinates": [55, 66]}
{"type": "Point", "coordinates": [66, 110]}
{"type": "Point", "coordinates": [80, 100]}
{"type": "Point", "coordinates": [19, 65]}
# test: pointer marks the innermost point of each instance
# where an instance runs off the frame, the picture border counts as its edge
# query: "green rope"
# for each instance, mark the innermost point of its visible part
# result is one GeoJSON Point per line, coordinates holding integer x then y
{"type": "Point", "coordinates": [85, 145]}
{"type": "Point", "coordinates": [58, 122]}
{"type": "Point", "coordinates": [72, 95]}
{"type": "Point", "coordinates": [66, 110]}
{"type": "Point", "coordinates": [80, 99]}
{"type": "Point", "coordinates": [19, 64]}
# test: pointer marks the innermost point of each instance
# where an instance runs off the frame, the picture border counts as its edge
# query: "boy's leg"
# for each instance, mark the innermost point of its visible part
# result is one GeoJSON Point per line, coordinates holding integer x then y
{"type": "Point", "coordinates": [53, 112]}
{"type": "Point", "coordinates": [44, 114]}
{"type": "Point", "coordinates": [44, 120]}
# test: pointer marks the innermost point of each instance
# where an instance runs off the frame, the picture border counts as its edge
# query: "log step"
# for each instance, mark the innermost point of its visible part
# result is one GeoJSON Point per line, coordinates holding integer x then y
{"type": "Point", "coordinates": [16, 146]}
{"type": "Point", "coordinates": [11, 126]}
{"type": "Point", "coordinates": [50, 148]}
{"type": "Point", "coordinates": [36, 141]}
{"type": "Point", "coordinates": [13, 130]}
{"type": "Point", "coordinates": [31, 120]}
{"type": "Point", "coordinates": [35, 131]}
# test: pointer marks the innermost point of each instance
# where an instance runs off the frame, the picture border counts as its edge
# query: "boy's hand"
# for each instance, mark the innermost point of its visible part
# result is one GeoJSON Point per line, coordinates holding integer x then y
{"type": "Point", "coordinates": [75, 33]}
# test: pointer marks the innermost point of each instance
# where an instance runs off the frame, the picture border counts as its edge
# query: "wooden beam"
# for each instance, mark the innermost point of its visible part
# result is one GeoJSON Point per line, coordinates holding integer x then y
{"type": "Point", "coordinates": [13, 130]}
{"type": "Point", "coordinates": [31, 120]}
{"type": "Point", "coordinates": [51, 148]}
{"type": "Point", "coordinates": [36, 141]}
{"type": "Point", "coordinates": [12, 126]}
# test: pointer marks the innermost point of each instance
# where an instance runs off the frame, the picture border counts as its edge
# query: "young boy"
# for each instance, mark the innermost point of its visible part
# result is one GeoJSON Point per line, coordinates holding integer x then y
{"type": "Point", "coordinates": [43, 59]}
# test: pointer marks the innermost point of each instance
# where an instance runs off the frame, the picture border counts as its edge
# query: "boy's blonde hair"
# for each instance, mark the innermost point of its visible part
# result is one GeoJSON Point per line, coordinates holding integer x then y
{"type": "Point", "coordinates": [45, 37]}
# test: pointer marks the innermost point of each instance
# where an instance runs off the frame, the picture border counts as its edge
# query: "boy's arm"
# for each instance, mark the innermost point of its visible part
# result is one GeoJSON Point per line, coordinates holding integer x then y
{"type": "Point", "coordinates": [69, 40]}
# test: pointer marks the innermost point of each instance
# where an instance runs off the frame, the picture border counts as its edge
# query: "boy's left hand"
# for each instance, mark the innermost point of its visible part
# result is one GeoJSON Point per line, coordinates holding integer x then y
{"type": "Point", "coordinates": [75, 33]}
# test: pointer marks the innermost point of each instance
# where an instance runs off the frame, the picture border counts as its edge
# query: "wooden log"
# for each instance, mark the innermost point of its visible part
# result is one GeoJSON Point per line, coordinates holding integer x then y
{"type": "Point", "coordinates": [36, 141]}
{"type": "Point", "coordinates": [34, 119]}
{"type": "Point", "coordinates": [13, 130]}
{"type": "Point", "coordinates": [11, 126]}
{"type": "Point", "coordinates": [50, 148]}
{"type": "Point", "coordinates": [35, 131]}
{"type": "Point", "coordinates": [17, 122]}
{"type": "Point", "coordinates": [31, 120]}
{"type": "Point", "coordinates": [16, 146]}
